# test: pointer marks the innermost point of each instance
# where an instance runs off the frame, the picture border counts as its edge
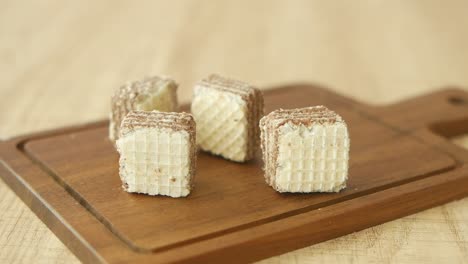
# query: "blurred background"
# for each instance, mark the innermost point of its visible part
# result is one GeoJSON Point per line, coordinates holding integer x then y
{"type": "Point", "coordinates": [58, 56]}
{"type": "Point", "coordinates": [60, 61]}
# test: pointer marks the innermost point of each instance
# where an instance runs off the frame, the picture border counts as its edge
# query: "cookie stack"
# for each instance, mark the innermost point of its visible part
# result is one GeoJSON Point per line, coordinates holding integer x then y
{"type": "Point", "coordinates": [304, 150]}
{"type": "Point", "coordinates": [227, 113]}
{"type": "Point", "coordinates": [157, 153]}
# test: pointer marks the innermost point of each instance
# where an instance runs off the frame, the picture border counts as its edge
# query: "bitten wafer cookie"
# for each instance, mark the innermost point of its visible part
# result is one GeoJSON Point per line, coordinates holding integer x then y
{"type": "Point", "coordinates": [305, 150]}
{"type": "Point", "coordinates": [227, 113]}
{"type": "Point", "coordinates": [157, 153]}
{"type": "Point", "coordinates": [153, 93]}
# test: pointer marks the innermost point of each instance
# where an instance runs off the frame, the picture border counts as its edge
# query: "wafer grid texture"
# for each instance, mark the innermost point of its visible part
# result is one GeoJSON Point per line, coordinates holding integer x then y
{"type": "Point", "coordinates": [152, 93]}
{"type": "Point", "coordinates": [156, 161]}
{"type": "Point", "coordinates": [157, 153]}
{"type": "Point", "coordinates": [227, 113]}
{"type": "Point", "coordinates": [309, 154]}
{"type": "Point", "coordinates": [221, 124]}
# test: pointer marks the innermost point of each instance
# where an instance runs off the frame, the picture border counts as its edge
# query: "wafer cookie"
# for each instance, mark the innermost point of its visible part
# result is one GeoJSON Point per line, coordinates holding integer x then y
{"type": "Point", "coordinates": [157, 153]}
{"type": "Point", "coordinates": [227, 113]}
{"type": "Point", "coordinates": [152, 93]}
{"type": "Point", "coordinates": [305, 150]}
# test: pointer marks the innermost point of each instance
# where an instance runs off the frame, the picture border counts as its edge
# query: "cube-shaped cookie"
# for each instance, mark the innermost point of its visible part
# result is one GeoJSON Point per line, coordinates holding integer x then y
{"type": "Point", "coordinates": [153, 93]}
{"type": "Point", "coordinates": [227, 113]}
{"type": "Point", "coordinates": [157, 153]}
{"type": "Point", "coordinates": [305, 150]}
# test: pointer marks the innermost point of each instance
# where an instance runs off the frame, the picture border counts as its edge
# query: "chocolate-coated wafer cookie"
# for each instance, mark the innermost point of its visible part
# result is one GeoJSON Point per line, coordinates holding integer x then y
{"type": "Point", "coordinates": [305, 150]}
{"type": "Point", "coordinates": [157, 153]}
{"type": "Point", "coordinates": [227, 113]}
{"type": "Point", "coordinates": [152, 93]}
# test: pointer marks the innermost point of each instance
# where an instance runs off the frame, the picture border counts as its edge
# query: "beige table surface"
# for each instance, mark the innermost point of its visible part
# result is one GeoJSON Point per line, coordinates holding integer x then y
{"type": "Point", "coordinates": [60, 60]}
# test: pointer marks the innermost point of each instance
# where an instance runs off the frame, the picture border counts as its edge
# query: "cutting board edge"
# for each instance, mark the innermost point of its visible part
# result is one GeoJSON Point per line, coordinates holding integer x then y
{"type": "Point", "coordinates": [449, 166]}
{"type": "Point", "coordinates": [89, 253]}
{"type": "Point", "coordinates": [85, 253]}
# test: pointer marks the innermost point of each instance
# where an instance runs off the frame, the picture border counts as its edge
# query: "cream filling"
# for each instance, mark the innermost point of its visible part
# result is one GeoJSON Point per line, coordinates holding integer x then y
{"type": "Point", "coordinates": [162, 99]}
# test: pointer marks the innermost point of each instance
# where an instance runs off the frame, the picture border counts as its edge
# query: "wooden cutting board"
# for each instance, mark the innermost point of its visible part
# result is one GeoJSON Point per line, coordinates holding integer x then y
{"type": "Point", "coordinates": [401, 162]}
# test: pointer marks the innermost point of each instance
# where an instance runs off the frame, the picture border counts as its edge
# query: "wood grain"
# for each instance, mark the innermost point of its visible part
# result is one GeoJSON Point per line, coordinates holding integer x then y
{"type": "Point", "coordinates": [68, 178]}
{"type": "Point", "coordinates": [56, 56]}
